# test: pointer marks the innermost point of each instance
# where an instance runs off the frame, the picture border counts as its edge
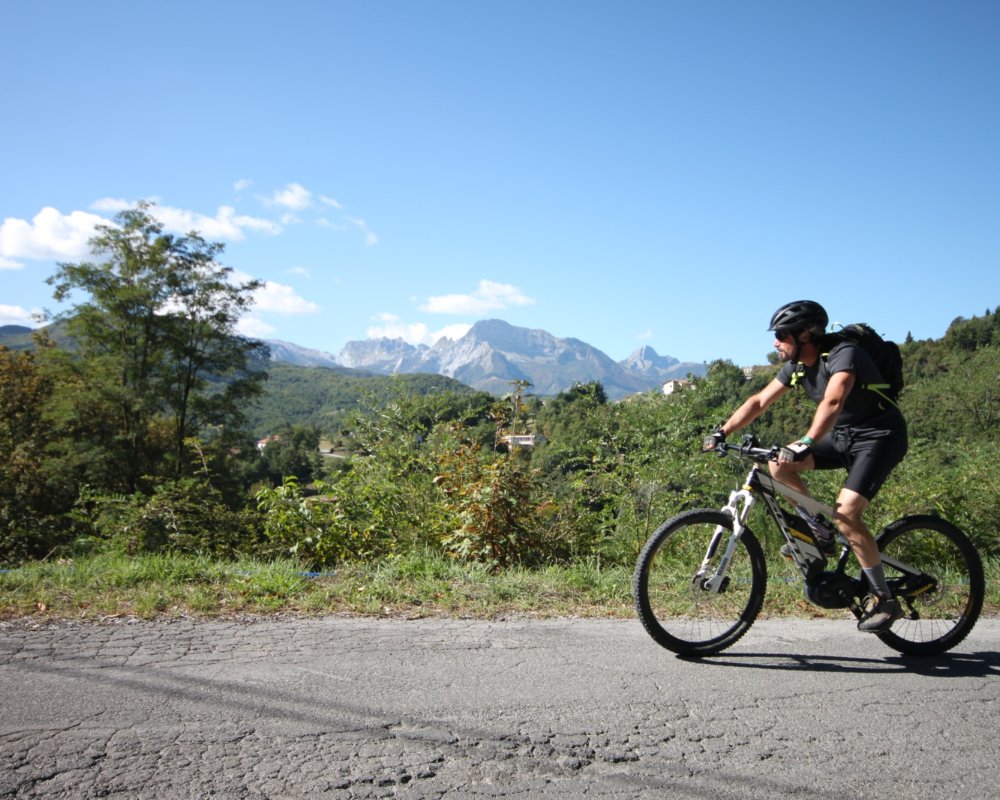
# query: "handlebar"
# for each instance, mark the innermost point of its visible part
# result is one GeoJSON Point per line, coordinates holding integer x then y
{"type": "Point", "coordinates": [749, 447]}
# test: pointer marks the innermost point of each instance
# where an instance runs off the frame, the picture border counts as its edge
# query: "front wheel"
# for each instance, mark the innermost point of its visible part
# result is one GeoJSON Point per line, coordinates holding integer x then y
{"type": "Point", "coordinates": [942, 602]}
{"type": "Point", "coordinates": [671, 597]}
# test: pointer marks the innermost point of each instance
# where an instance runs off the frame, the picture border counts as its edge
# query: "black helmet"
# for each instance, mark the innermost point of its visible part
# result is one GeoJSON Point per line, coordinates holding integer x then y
{"type": "Point", "coordinates": [799, 315]}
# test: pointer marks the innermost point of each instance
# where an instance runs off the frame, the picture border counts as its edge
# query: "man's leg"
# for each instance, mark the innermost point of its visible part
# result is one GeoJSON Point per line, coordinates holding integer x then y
{"type": "Point", "coordinates": [882, 609]}
{"type": "Point", "coordinates": [847, 516]}
{"type": "Point", "coordinates": [790, 472]}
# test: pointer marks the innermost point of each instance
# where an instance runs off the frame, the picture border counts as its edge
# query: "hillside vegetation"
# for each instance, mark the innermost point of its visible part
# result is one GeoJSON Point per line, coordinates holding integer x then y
{"type": "Point", "coordinates": [323, 398]}
{"type": "Point", "coordinates": [143, 440]}
{"type": "Point", "coordinates": [430, 470]}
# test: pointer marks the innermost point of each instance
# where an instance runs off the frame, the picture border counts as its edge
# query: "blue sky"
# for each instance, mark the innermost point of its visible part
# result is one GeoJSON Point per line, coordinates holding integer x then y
{"type": "Point", "coordinates": [625, 173]}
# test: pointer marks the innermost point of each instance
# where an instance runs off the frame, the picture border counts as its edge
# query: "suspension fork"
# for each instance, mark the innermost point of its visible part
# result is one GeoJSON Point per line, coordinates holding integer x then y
{"type": "Point", "coordinates": [738, 507]}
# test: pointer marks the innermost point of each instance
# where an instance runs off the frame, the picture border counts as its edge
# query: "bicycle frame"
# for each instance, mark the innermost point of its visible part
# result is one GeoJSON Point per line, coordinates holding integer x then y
{"type": "Point", "coordinates": [803, 548]}
{"type": "Point", "coordinates": [738, 507]}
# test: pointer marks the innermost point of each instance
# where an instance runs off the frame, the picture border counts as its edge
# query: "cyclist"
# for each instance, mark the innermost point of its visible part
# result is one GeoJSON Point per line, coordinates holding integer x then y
{"type": "Point", "coordinates": [853, 428]}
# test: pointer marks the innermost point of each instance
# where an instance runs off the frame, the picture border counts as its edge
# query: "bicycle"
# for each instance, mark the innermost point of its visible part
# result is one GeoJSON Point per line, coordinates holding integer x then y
{"type": "Point", "coordinates": [700, 579]}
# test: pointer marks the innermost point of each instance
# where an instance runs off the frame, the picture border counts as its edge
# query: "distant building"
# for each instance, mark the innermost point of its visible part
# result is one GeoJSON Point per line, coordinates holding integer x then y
{"type": "Point", "coordinates": [262, 443]}
{"type": "Point", "coordinates": [522, 440]}
{"type": "Point", "coordinates": [675, 386]}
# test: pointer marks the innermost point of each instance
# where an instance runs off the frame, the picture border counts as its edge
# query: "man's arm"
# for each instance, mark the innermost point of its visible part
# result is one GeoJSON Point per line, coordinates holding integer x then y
{"type": "Point", "coordinates": [831, 405]}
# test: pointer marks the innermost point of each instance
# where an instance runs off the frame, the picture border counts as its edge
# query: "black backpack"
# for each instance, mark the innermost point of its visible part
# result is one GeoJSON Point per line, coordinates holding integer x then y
{"type": "Point", "coordinates": [883, 352]}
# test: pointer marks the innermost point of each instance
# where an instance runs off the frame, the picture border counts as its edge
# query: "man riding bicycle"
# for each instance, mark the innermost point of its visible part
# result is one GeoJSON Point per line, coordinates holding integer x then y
{"type": "Point", "coordinates": [854, 428]}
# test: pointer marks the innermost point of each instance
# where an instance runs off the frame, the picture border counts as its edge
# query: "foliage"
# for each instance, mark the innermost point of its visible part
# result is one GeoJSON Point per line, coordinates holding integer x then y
{"type": "Point", "coordinates": [313, 529]}
{"type": "Point", "coordinates": [491, 497]}
{"type": "Point", "coordinates": [157, 359]}
{"type": "Point", "coordinates": [325, 398]}
{"type": "Point", "coordinates": [24, 389]}
{"type": "Point", "coordinates": [961, 485]}
{"type": "Point", "coordinates": [181, 516]}
{"type": "Point", "coordinates": [961, 399]}
{"type": "Point", "coordinates": [420, 468]}
{"type": "Point", "coordinates": [291, 452]}
{"type": "Point", "coordinates": [384, 501]}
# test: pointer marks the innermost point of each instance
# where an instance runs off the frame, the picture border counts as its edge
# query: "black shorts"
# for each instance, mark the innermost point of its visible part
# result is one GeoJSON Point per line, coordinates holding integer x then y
{"type": "Point", "coordinates": [868, 456]}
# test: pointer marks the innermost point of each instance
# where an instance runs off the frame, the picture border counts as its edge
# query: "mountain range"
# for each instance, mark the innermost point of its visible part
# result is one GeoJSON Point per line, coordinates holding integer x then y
{"type": "Point", "coordinates": [489, 357]}
{"type": "Point", "coordinates": [494, 353]}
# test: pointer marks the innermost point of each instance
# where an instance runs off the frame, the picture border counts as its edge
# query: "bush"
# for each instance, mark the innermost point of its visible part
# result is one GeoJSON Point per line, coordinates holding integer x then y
{"type": "Point", "coordinates": [320, 529]}
{"type": "Point", "coordinates": [181, 516]}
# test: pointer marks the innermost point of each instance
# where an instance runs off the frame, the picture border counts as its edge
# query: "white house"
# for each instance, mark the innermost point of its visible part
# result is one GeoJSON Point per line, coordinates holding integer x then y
{"type": "Point", "coordinates": [675, 386]}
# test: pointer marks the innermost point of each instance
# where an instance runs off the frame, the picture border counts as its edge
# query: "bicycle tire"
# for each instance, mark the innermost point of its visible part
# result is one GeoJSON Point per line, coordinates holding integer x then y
{"type": "Point", "coordinates": [678, 613]}
{"type": "Point", "coordinates": [934, 620]}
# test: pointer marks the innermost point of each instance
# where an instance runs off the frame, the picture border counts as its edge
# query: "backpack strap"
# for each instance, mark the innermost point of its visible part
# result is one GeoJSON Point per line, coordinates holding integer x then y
{"type": "Point", "coordinates": [797, 375]}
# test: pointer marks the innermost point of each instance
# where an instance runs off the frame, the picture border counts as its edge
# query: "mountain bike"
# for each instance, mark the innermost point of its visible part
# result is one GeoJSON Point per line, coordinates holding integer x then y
{"type": "Point", "coordinates": [700, 579]}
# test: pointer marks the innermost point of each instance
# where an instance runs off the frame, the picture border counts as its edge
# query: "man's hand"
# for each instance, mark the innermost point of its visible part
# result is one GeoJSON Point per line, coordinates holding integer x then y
{"type": "Point", "coordinates": [796, 451]}
{"type": "Point", "coordinates": [713, 441]}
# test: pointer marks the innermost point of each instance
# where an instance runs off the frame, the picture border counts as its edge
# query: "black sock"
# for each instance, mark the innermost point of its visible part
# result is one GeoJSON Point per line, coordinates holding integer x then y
{"type": "Point", "coordinates": [876, 580]}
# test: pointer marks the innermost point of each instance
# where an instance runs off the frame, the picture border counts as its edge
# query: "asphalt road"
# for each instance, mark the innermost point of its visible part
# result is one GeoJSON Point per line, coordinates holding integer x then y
{"type": "Point", "coordinates": [346, 708]}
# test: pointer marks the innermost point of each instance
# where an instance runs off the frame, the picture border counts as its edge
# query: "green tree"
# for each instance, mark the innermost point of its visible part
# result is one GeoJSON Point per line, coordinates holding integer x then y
{"type": "Point", "coordinates": [961, 401]}
{"type": "Point", "coordinates": [293, 452]}
{"type": "Point", "coordinates": [29, 502]}
{"type": "Point", "coordinates": [156, 342]}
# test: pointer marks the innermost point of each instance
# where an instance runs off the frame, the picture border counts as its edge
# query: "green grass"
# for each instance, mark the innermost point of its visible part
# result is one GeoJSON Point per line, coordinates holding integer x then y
{"type": "Point", "coordinates": [427, 585]}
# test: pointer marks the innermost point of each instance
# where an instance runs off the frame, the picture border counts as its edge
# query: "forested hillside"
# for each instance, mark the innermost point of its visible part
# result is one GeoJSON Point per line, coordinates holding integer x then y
{"type": "Point", "coordinates": [431, 468]}
{"type": "Point", "coordinates": [323, 398]}
{"type": "Point", "coordinates": [142, 438]}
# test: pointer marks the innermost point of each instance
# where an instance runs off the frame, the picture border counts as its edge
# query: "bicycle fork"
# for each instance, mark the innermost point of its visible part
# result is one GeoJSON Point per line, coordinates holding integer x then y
{"type": "Point", "coordinates": [738, 507]}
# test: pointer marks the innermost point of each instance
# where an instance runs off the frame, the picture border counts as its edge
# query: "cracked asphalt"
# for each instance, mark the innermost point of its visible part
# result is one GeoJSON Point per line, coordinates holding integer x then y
{"type": "Point", "coordinates": [366, 708]}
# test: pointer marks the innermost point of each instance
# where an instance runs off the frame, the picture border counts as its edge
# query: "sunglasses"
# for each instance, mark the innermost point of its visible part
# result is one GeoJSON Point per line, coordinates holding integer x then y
{"type": "Point", "coordinates": [784, 336]}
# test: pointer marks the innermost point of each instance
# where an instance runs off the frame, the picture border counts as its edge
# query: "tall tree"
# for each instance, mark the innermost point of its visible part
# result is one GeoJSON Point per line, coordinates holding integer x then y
{"type": "Point", "coordinates": [24, 435]}
{"type": "Point", "coordinates": [157, 342]}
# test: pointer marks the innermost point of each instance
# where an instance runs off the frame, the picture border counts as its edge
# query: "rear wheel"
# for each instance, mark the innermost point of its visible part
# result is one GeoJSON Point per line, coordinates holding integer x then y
{"type": "Point", "coordinates": [675, 606]}
{"type": "Point", "coordinates": [942, 603]}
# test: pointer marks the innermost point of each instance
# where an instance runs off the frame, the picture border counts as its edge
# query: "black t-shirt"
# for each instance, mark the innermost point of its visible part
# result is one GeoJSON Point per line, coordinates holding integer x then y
{"type": "Point", "coordinates": [863, 407]}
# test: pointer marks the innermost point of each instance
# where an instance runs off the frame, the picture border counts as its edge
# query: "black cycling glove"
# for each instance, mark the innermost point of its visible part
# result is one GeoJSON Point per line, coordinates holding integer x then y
{"type": "Point", "coordinates": [713, 441]}
{"type": "Point", "coordinates": [797, 451]}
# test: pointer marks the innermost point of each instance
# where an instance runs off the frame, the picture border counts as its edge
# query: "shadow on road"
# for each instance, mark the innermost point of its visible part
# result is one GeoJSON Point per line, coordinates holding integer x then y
{"type": "Point", "coordinates": [951, 665]}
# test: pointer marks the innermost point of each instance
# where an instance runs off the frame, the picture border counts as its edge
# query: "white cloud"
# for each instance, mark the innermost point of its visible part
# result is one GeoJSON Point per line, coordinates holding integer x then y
{"type": "Point", "coordinates": [294, 196]}
{"type": "Point", "coordinates": [302, 271]}
{"type": "Point", "coordinates": [329, 201]}
{"type": "Point", "coordinates": [226, 224]}
{"type": "Point", "coordinates": [282, 299]}
{"type": "Point", "coordinates": [9, 263]}
{"type": "Point", "coordinates": [644, 336]}
{"type": "Point", "coordinates": [490, 296]}
{"type": "Point", "coordinates": [112, 205]}
{"type": "Point", "coordinates": [242, 183]}
{"type": "Point", "coordinates": [15, 315]}
{"type": "Point", "coordinates": [254, 327]}
{"type": "Point", "coordinates": [360, 224]}
{"type": "Point", "coordinates": [50, 235]}
{"type": "Point", "coordinates": [453, 332]}
{"type": "Point", "coordinates": [414, 333]}
{"type": "Point", "coordinates": [274, 297]}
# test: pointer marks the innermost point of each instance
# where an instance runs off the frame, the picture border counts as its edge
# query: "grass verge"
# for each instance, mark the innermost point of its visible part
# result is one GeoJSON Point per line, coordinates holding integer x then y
{"type": "Point", "coordinates": [412, 586]}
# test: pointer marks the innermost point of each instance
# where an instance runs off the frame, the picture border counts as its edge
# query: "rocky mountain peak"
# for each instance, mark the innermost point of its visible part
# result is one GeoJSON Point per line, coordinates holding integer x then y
{"type": "Point", "coordinates": [493, 353]}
